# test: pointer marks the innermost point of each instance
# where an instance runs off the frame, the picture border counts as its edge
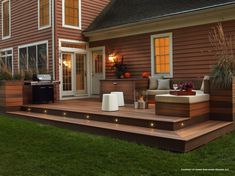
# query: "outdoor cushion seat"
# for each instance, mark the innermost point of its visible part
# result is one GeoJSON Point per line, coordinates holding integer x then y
{"type": "Point", "coordinates": [157, 92]}
{"type": "Point", "coordinates": [167, 98]}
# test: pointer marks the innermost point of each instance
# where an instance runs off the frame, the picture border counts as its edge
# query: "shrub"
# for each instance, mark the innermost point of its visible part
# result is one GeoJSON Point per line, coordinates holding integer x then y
{"type": "Point", "coordinates": [223, 71]}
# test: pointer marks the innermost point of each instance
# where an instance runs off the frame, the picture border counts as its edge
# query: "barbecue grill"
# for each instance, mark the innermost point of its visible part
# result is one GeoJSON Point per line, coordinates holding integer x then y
{"type": "Point", "coordinates": [42, 88]}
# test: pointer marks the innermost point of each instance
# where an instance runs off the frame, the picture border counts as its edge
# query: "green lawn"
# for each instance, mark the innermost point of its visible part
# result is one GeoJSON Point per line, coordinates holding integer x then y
{"type": "Point", "coordinates": [28, 148]}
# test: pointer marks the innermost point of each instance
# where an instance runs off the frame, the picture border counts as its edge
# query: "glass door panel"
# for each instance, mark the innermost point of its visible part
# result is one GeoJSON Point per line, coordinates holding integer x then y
{"type": "Point", "coordinates": [67, 73]}
{"type": "Point", "coordinates": [97, 71]}
{"type": "Point", "coordinates": [81, 77]}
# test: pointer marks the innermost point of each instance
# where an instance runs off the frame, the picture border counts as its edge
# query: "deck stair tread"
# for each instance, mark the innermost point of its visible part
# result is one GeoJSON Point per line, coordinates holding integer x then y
{"type": "Point", "coordinates": [124, 112]}
{"type": "Point", "coordinates": [185, 134]}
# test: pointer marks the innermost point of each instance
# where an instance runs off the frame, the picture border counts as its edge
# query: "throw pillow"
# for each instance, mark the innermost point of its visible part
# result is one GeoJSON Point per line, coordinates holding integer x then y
{"type": "Point", "coordinates": [163, 84]}
{"type": "Point", "coordinates": [206, 77]}
{"type": "Point", "coordinates": [153, 82]}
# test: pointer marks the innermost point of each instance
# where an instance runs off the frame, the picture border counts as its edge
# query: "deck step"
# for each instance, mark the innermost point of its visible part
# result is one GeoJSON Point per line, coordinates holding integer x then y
{"type": "Point", "coordinates": [182, 140]}
{"type": "Point", "coordinates": [123, 117]}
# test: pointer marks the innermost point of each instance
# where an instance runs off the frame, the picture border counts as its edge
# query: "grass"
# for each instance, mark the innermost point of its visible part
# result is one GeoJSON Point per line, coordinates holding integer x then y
{"type": "Point", "coordinates": [32, 149]}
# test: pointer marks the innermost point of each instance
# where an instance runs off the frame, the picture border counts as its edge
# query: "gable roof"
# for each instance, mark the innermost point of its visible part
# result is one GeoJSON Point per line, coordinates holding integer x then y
{"type": "Point", "coordinates": [121, 12]}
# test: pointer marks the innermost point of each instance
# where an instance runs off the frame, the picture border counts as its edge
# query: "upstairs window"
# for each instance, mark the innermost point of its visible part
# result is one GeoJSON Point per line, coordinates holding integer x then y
{"type": "Point", "coordinates": [6, 60]}
{"type": "Point", "coordinates": [72, 14]}
{"type": "Point", "coordinates": [34, 58]}
{"type": "Point", "coordinates": [44, 7]}
{"type": "Point", "coordinates": [6, 19]}
{"type": "Point", "coordinates": [162, 54]}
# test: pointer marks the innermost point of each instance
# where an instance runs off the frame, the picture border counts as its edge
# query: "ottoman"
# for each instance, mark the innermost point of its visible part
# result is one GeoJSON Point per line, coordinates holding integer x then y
{"type": "Point", "coordinates": [109, 102]}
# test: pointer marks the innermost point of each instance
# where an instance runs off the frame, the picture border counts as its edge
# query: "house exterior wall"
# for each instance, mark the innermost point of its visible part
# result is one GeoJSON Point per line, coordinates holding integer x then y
{"type": "Point", "coordinates": [24, 29]}
{"type": "Point", "coordinates": [89, 11]}
{"type": "Point", "coordinates": [192, 52]}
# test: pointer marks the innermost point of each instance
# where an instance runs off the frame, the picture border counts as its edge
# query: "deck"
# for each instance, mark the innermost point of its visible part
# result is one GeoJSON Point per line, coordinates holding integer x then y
{"type": "Point", "coordinates": [142, 126]}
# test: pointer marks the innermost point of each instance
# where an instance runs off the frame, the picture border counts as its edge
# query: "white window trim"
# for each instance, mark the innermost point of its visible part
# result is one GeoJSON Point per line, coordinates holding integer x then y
{"type": "Point", "coordinates": [12, 55]}
{"type": "Point", "coordinates": [9, 36]}
{"type": "Point", "coordinates": [153, 37]}
{"type": "Point", "coordinates": [33, 44]}
{"type": "Point", "coordinates": [49, 25]}
{"type": "Point", "coordinates": [79, 15]}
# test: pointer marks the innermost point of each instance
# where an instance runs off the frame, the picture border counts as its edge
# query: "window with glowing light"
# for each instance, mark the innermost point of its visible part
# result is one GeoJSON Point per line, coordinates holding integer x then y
{"type": "Point", "coordinates": [44, 13]}
{"type": "Point", "coordinates": [162, 54]}
{"type": "Point", "coordinates": [72, 13]}
{"type": "Point", "coordinates": [6, 19]}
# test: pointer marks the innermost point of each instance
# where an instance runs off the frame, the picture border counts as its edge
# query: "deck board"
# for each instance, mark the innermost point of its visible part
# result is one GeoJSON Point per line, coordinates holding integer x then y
{"type": "Point", "coordinates": [132, 124]}
{"type": "Point", "coordinates": [94, 107]}
{"type": "Point", "coordinates": [184, 134]}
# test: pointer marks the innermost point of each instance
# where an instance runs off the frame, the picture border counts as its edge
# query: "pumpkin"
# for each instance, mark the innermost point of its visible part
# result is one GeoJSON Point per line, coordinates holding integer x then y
{"type": "Point", "coordinates": [145, 74]}
{"type": "Point", "coordinates": [127, 75]}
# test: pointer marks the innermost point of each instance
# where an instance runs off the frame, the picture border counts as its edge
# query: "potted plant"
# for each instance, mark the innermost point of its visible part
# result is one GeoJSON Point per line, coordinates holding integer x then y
{"type": "Point", "coordinates": [11, 90]}
{"type": "Point", "coordinates": [222, 81]}
{"type": "Point", "coordinates": [186, 86]}
{"type": "Point", "coordinates": [120, 68]}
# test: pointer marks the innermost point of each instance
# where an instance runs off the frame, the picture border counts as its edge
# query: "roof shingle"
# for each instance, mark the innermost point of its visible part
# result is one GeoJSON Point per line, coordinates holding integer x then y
{"type": "Point", "coordinates": [121, 12]}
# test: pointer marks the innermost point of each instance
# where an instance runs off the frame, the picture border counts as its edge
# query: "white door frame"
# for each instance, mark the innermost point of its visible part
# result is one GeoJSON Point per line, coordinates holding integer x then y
{"type": "Point", "coordinates": [74, 51]}
{"type": "Point", "coordinates": [90, 65]}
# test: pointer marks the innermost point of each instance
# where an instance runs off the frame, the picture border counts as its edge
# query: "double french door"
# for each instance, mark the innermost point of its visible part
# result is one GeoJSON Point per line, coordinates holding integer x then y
{"type": "Point", "coordinates": [74, 74]}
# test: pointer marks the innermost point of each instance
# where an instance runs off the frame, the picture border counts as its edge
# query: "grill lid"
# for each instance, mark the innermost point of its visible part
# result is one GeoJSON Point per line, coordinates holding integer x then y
{"type": "Point", "coordinates": [42, 77]}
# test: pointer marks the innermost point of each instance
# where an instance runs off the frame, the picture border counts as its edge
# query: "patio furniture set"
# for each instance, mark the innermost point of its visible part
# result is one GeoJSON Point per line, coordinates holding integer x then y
{"type": "Point", "coordinates": [168, 102]}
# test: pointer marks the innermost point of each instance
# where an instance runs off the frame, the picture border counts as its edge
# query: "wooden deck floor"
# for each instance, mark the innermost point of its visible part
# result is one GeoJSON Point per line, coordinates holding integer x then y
{"type": "Point", "coordinates": [93, 106]}
{"type": "Point", "coordinates": [138, 125]}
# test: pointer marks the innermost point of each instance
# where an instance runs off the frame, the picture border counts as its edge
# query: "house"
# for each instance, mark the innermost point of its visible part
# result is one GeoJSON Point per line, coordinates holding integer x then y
{"type": "Point", "coordinates": [72, 39]}
{"type": "Point", "coordinates": [76, 41]}
{"type": "Point", "coordinates": [45, 36]}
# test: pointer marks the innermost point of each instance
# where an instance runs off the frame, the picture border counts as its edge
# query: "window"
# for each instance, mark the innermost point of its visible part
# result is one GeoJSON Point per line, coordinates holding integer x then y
{"type": "Point", "coordinates": [34, 58]}
{"type": "Point", "coordinates": [6, 19]}
{"type": "Point", "coordinates": [162, 54]}
{"type": "Point", "coordinates": [72, 14]}
{"type": "Point", "coordinates": [44, 8]}
{"type": "Point", "coordinates": [6, 60]}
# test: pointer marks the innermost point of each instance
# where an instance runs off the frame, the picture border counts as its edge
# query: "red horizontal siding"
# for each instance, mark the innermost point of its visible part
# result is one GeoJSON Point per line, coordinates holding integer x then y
{"type": "Point", "coordinates": [192, 51]}
{"type": "Point", "coordinates": [24, 28]}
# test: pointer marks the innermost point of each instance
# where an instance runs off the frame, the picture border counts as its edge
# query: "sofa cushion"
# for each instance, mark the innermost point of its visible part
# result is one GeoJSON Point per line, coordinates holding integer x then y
{"type": "Point", "coordinates": [163, 84]}
{"type": "Point", "coordinates": [157, 92]}
{"type": "Point", "coordinates": [153, 82]}
{"type": "Point", "coordinates": [167, 98]}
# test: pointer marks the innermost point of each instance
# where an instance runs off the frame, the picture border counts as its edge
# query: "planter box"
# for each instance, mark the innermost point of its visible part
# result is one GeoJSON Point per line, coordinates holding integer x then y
{"type": "Point", "coordinates": [11, 95]}
{"type": "Point", "coordinates": [27, 94]}
{"type": "Point", "coordinates": [222, 103]}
